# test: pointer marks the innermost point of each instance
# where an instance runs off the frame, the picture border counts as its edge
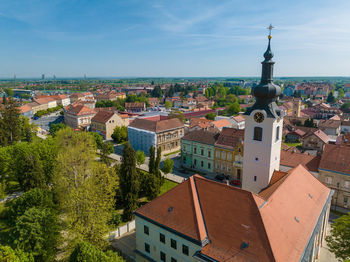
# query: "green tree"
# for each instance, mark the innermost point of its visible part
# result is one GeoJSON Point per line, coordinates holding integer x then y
{"type": "Point", "coordinates": [339, 239]}
{"type": "Point", "coordinates": [152, 159]}
{"type": "Point", "coordinates": [152, 186]}
{"type": "Point", "coordinates": [85, 188]}
{"type": "Point", "coordinates": [27, 129]}
{"type": "Point", "coordinates": [330, 98]}
{"type": "Point", "coordinates": [129, 181]}
{"type": "Point", "coordinates": [28, 169]}
{"type": "Point", "coordinates": [9, 92]}
{"type": "Point", "coordinates": [168, 104]}
{"type": "Point", "coordinates": [10, 126]}
{"type": "Point", "coordinates": [140, 157]}
{"type": "Point", "coordinates": [120, 134]}
{"type": "Point", "coordinates": [168, 166]}
{"type": "Point", "coordinates": [106, 150]}
{"type": "Point", "coordinates": [157, 162]}
{"type": "Point", "coordinates": [37, 232]}
{"type": "Point", "coordinates": [98, 139]}
{"type": "Point", "coordinates": [5, 164]}
{"type": "Point", "coordinates": [7, 254]}
{"type": "Point", "coordinates": [33, 198]}
{"type": "Point", "coordinates": [233, 109]}
{"type": "Point", "coordinates": [55, 127]}
{"type": "Point", "coordinates": [157, 92]}
{"type": "Point", "coordinates": [177, 114]}
{"type": "Point", "coordinates": [309, 123]}
{"type": "Point", "coordinates": [345, 105]}
{"type": "Point", "coordinates": [85, 252]}
{"type": "Point", "coordinates": [341, 93]}
{"type": "Point", "coordinates": [210, 116]}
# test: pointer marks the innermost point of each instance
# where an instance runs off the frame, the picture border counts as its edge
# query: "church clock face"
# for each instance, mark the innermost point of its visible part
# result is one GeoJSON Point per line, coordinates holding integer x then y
{"type": "Point", "coordinates": [258, 117]}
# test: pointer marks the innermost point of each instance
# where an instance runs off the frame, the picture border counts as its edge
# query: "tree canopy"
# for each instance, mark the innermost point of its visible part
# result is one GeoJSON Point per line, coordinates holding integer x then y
{"type": "Point", "coordinates": [339, 239]}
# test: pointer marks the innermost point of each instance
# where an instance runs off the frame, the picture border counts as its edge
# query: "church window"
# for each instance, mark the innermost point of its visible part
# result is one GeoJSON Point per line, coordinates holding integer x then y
{"type": "Point", "coordinates": [258, 133]}
{"type": "Point", "coordinates": [209, 152]}
{"type": "Point", "coordinates": [277, 133]}
{"type": "Point", "coordinates": [254, 178]}
{"type": "Point", "coordinates": [202, 152]}
{"type": "Point", "coordinates": [195, 150]}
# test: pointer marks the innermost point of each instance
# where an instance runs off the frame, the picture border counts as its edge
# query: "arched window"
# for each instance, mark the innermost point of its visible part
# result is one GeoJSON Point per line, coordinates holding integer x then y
{"type": "Point", "coordinates": [277, 133]}
{"type": "Point", "coordinates": [258, 133]}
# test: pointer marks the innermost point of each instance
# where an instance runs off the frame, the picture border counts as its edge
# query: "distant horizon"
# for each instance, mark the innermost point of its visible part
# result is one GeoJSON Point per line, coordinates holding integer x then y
{"type": "Point", "coordinates": [158, 77]}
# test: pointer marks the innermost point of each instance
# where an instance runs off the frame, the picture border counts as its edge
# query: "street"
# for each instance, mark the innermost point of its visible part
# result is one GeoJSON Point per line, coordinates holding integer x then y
{"type": "Point", "coordinates": [45, 121]}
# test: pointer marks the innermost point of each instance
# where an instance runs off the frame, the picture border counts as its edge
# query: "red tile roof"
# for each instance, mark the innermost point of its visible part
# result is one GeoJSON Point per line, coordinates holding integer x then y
{"type": "Point", "coordinates": [25, 108]}
{"type": "Point", "coordinates": [292, 159]}
{"type": "Point", "coordinates": [229, 137]}
{"type": "Point", "coordinates": [79, 110]}
{"type": "Point", "coordinates": [336, 158]}
{"type": "Point", "coordinates": [156, 126]}
{"type": "Point", "coordinates": [276, 225]}
{"type": "Point", "coordinates": [221, 123]}
{"type": "Point", "coordinates": [201, 136]}
{"type": "Point", "coordinates": [102, 116]}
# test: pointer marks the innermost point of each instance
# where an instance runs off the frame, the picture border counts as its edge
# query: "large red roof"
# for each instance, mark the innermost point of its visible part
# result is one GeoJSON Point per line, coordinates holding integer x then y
{"type": "Point", "coordinates": [277, 223]}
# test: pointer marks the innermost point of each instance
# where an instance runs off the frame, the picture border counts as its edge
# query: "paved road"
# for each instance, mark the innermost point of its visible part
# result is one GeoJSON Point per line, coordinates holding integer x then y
{"type": "Point", "coordinates": [10, 197]}
{"type": "Point", "coordinates": [45, 121]}
{"type": "Point", "coordinates": [126, 245]}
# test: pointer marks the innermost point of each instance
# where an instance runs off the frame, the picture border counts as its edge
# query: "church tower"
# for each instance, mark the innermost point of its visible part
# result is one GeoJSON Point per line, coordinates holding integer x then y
{"type": "Point", "coordinates": [263, 130]}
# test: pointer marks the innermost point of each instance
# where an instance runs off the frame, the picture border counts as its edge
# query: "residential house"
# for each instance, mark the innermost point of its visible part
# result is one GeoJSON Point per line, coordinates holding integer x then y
{"type": "Point", "coordinates": [197, 150]}
{"type": "Point", "coordinates": [315, 141]}
{"type": "Point", "coordinates": [292, 158]}
{"type": "Point", "coordinates": [228, 156]}
{"type": "Point", "coordinates": [26, 110]}
{"type": "Point", "coordinates": [153, 101]}
{"type": "Point", "coordinates": [36, 107]}
{"type": "Point", "coordinates": [288, 90]}
{"type": "Point", "coordinates": [220, 124]}
{"type": "Point", "coordinates": [330, 127]}
{"type": "Point", "coordinates": [46, 102]}
{"type": "Point", "coordinates": [295, 136]}
{"type": "Point", "coordinates": [78, 116]}
{"type": "Point", "coordinates": [203, 220]}
{"type": "Point", "coordinates": [104, 123]}
{"type": "Point", "coordinates": [334, 172]}
{"type": "Point", "coordinates": [345, 126]}
{"type": "Point", "coordinates": [61, 99]}
{"type": "Point", "coordinates": [237, 122]}
{"type": "Point", "coordinates": [246, 98]}
{"type": "Point", "coordinates": [164, 134]}
{"type": "Point", "coordinates": [135, 107]}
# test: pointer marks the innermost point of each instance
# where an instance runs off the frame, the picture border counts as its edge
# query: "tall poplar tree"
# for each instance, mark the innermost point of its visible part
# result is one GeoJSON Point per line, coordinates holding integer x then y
{"type": "Point", "coordinates": [10, 125]}
{"type": "Point", "coordinates": [129, 181]}
{"type": "Point", "coordinates": [151, 159]}
{"type": "Point", "coordinates": [85, 188]}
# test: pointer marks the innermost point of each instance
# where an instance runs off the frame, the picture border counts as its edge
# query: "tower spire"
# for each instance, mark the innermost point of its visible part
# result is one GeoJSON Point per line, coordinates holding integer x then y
{"type": "Point", "coordinates": [266, 92]}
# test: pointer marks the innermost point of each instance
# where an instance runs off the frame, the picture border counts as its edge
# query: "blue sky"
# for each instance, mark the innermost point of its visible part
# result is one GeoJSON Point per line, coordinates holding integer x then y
{"type": "Point", "coordinates": [172, 38]}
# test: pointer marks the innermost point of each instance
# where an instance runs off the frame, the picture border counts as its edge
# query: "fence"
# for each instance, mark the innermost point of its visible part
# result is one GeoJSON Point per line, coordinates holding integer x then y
{"type": "Point", "coordinates": [122, 230]}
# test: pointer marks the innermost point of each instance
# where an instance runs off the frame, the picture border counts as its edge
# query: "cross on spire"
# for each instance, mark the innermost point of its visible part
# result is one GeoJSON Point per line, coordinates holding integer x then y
{"type": "Point", "coordinates": [270, 29]}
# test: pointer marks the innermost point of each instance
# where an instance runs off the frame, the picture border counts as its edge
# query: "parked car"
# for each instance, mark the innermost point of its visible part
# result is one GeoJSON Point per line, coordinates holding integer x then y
{"type": "Point", "coordinates": [235, 183]}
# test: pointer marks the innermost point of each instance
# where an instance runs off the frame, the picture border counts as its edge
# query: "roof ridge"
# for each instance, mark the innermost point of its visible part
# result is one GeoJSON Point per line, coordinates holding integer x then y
{"type": "Point", "coordinates": [202, 231]}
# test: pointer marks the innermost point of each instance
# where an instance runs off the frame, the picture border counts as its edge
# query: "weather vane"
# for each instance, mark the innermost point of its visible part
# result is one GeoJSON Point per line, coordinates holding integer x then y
{"type": "Point", "coordinates": [270, 29]}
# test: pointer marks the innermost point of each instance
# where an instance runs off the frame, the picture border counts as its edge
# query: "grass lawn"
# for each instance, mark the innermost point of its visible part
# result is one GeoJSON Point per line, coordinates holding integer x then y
{"type": "Point", "coordinates": [172, 153]}
{"type": "Point", "coordinates": [293, 144]}
{"type": "Point", "coordinates": [167, 186]}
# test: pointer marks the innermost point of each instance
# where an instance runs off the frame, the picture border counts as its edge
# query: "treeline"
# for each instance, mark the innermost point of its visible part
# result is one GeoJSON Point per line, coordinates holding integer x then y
{"type": "Point", "coordinates": [13, 126]}
{"type": "Point", "coordinates": [69, 194]}
{"type": "Point", "coordinates": [48, 111]}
